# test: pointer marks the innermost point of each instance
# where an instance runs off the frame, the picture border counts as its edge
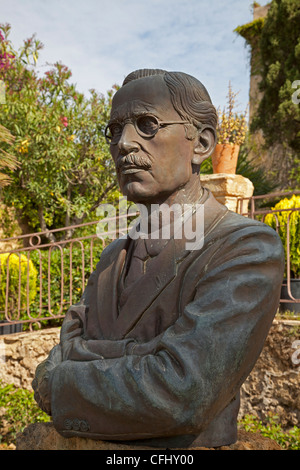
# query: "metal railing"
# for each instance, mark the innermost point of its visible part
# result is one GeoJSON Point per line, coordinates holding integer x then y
{"type": "Point", "coordinates": [264, 202]}
{"type": "Point", "coordinates": [43, 278]}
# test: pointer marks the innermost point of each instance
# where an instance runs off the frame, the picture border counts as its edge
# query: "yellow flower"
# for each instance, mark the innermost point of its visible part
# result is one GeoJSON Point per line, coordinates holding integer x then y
{"type": "Point", "coordinates": [24, 146]}
{"type": "Point", "coordinates": [58, 128]}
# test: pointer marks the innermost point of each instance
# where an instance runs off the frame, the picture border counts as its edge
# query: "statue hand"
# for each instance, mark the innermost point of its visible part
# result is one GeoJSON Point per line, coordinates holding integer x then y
{"type": "Point", "coordinates": [41, 383]}
{"type": "Point", "coordinates": [71, 332]}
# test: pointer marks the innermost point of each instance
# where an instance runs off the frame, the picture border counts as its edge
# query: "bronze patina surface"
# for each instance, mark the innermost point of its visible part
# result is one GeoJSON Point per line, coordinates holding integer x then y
{"type": "Point", "coordinates": [164, 336]}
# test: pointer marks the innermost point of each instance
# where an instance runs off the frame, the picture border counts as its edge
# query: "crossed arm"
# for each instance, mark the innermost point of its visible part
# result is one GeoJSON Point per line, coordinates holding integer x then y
{"type": "Point", "coordinates": [173, 383]}
{"type": "Point", "coordinates": [74, 347]}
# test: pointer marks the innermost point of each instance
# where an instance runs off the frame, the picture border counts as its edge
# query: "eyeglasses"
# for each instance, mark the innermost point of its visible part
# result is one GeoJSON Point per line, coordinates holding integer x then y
{"type": "Point", "coordinates": [145, 125]}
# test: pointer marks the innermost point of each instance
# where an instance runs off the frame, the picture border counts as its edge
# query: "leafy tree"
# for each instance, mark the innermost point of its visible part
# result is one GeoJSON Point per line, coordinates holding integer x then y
{"type": "Point", "coordinates": [65, 168]}
{"type": "Point", "coordinates": [278, 116]}
{"type": "Point", "coordinates": [275, 43]}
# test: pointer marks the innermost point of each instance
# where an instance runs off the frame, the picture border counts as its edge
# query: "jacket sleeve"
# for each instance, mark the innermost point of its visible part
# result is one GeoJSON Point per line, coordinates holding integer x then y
{"type": "Point", "coordinates": [196, 367]}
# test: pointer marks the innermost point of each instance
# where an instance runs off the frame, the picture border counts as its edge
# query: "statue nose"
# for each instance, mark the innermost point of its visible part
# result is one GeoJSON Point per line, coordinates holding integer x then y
{"type": "Point", "coordinates": [127, 142]}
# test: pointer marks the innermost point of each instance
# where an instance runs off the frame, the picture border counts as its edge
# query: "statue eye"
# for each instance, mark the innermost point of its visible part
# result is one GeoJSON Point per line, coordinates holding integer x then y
{"type": "Point", "coordinates": [148, 125]}
{"type": "Point", "coordinates": [113, 132]}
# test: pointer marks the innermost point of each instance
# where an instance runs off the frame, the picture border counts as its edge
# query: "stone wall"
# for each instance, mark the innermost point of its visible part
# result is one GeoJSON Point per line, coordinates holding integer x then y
{"type": "Point", "coordinates": [273, 386]}
{"type": "Point", "coordinates": [274, 383]}
{"type": "Point", "coordinates": [20, 354]}
{"type": "Point", "coordinates": [228, 189]}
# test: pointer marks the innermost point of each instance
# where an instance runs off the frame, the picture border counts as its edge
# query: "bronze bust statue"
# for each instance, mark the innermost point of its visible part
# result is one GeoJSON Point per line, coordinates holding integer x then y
{"type": "Point", "coordinates": [164, 336]}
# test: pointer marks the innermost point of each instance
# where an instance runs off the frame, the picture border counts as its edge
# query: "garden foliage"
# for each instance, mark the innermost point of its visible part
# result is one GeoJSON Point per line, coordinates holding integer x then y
{"type": "Point", "coordinates": [65, 167]}
{"type": "Point", "coordinates": [18, 409]}
{"type": "Point", "coordinates": [21, 275]}
{"type": "Point", "coordinates": [232, 126]}
{"type": "Point", "coordinates": [275, 58]}
{"type": "Point", "coordinates": [271, 428]}
{"type": "Point", "coordinates": [279, 221]}
{"type": "Point", "coordinates": [278, 116]}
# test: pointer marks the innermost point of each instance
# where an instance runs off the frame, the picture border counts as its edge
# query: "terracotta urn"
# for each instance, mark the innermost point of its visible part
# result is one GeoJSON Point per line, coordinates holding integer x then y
{"type": "Point", "coordinates": [224, 158]}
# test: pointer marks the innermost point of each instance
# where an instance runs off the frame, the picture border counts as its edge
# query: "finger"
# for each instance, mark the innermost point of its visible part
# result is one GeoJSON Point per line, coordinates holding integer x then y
{"type": "Point", "coordinates": [68, 336]}
{"type": "Point", "coordinates": [70, 325]}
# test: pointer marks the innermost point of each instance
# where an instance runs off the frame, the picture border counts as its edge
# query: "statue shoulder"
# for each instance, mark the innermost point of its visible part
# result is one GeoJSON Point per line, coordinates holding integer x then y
{"type": "Point", "coordinates": [114, 245]}
{"type": "Point", "coordinates": [111, 250]}
{"type": "Point", "coordinates": [239, 229]}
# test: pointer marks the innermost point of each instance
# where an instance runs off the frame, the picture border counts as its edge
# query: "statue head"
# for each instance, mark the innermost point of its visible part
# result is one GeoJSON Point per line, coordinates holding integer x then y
{"type": "Point", "coordinates": [162, 127]}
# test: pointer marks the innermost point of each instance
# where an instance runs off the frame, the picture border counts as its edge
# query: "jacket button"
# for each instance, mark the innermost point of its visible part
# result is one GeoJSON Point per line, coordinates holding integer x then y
{"type": "Point", "coordinates": [68, 424]}
{"type": "Point", "coordinates": [76, 424]}
{"type": "Point", "coordinates": [84, 426]}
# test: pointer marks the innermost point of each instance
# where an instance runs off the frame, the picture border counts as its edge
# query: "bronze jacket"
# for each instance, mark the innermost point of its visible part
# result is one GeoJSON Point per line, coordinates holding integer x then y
{"type": "Point", "coordinates": [165, 365]}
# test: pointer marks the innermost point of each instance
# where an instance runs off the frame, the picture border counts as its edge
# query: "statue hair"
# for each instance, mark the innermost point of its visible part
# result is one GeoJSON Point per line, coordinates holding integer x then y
{"type": "Point", "coordinates": [188, 95]}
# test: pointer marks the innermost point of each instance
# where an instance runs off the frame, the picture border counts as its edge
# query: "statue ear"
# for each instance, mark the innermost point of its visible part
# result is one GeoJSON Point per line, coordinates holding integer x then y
{"type": "Point", "coordinates": [205, 144]}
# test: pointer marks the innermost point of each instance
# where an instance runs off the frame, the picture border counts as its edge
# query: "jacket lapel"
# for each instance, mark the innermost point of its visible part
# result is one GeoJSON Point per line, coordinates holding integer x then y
{"type": "Point", "coordinates": [110, 268]}
{"type": "Point", "coordinates": [139, 296]}
{"type": "Point", "coordinates": [162, 270]}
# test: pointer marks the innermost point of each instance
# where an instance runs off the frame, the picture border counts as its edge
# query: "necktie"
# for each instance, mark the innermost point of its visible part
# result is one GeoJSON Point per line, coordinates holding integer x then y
{"type": "Point", "coordinates": [143, 251]}
{"type": "Point", "coordinates": [137, 262]}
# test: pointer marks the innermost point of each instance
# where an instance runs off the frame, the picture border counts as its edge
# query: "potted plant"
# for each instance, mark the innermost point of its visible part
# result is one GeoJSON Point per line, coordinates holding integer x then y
{"type": "Point", "coordinates": [231, 133]}
{"type": "Point", "coordinates": [287, 224]}
{"type": "Point", "coordinates": [18, 278]}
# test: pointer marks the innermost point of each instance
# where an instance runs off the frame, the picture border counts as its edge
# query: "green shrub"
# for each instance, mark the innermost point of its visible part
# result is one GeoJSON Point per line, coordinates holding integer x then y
{"type": "Point", "coordinates": [289, 440]}
{"type": "Point", "coordinates": [18, 410]}
{"type": "Point", "coordinates": [17, 266]}
{"type": "Point", "coordinates": [280, 221]}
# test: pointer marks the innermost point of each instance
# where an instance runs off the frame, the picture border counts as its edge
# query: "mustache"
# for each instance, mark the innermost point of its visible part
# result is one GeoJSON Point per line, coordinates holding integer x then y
{"type": "Point", "coordinates": [134, 160]}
